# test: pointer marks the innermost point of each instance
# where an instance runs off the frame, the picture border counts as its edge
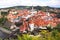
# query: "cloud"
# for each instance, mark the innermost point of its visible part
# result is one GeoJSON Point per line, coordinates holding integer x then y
{"type": "Point", "coordinates": [53, 3]}
{"type": "Point", "coordinates": [41, 2]}
{"type": "Point", "coordinates": [33, 2]}
{"type": "Point", "coordinates": [8, 3]}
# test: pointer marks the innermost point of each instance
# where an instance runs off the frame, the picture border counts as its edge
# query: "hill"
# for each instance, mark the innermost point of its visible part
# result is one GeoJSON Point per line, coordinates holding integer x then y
{"type": "Point", "coordinates": [28, 7]}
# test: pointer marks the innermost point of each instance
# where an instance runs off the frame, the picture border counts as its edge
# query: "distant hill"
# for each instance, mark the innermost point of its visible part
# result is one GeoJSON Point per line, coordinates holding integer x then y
{"type": "Point", "coordinates": [29, 7]}
{"type": "Point", "coordinates": [43, 8]}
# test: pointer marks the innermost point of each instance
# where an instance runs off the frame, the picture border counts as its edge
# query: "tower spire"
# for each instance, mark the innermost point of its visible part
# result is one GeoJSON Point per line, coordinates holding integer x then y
{"type": "Point", "coordinates": [32, 8]}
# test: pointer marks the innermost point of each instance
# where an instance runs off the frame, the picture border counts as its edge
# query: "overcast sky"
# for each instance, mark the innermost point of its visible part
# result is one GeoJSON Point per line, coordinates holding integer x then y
{"type": "Point", "coordinates": [8, 3]}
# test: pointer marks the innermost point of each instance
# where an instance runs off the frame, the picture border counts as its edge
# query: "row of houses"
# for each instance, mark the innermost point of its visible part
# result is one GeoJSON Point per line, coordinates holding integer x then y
{"type": "Point", "coordinates": [38, 19]}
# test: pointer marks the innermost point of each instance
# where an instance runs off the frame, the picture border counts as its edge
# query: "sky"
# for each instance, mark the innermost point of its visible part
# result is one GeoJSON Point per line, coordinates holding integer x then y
{"type": "Point", "coordinates": [10, 3]}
